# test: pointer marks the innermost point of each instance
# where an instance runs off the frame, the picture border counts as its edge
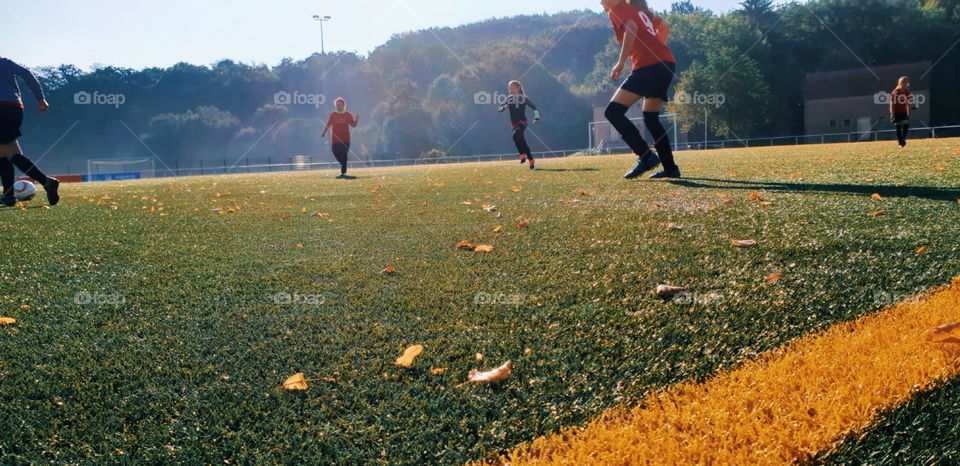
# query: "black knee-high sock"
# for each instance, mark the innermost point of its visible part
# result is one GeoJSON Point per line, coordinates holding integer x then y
{"type": "Point", "coordinates": [617, 116]}
{"type": "Point", "coordinates": [660, 139]}
{"type": "Point", "coordinates": [31, 170]}
{"type": "Point", "coordinates": [7, 176]}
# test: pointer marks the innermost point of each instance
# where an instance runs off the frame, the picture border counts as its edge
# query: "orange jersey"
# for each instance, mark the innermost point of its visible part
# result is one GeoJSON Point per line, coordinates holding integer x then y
{"type": "Point", "coordinates": [648, 49]}
{"type": "Point", "coordinates": [901, 100]}
{"type": "Point", "coordinates": [340, 124]}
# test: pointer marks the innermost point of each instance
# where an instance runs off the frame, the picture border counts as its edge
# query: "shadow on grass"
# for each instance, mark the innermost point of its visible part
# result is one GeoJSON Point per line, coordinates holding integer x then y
{"type": "Point", "coordinates": [926, 192]}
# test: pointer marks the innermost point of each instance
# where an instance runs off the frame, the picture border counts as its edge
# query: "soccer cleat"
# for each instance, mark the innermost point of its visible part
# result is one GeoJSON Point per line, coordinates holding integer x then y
{"type": "Point", "coordinates": [53, 191]}
{"type": "Point", "coordinates": [674, 173]}
{"type": "Point", "coordinates": [523, 159]}
{"type": "Point", "coordinates": [532, 167]}
{"type": "Point", "coordinates": [644, 164]}
{"type": "Point", "coordinates": [8, 201]}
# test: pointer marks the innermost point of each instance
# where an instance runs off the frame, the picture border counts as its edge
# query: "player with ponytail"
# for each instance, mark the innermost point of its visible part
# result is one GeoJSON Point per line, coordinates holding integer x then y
{"type": "Point", "coordinates": [517, 102]}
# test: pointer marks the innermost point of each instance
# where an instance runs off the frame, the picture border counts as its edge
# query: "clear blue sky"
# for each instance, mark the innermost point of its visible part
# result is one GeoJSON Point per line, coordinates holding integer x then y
{"type": "Point", "coordinates": [142, 33]}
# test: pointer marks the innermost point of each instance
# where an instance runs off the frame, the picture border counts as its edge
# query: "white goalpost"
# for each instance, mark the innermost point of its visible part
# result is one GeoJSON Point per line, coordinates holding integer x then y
{"type": "Point", "coordinates": [120, 169]}
{"type": "Point", "coordinates": [603, 137]}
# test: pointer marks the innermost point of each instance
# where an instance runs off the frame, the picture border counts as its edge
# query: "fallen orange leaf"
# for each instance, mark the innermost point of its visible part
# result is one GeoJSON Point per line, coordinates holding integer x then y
{"type": "Point", "coordinates": [516, 189]}
{"type": "Point", "coordinates": [878, 213]}
{"type": "Point", "coordinates": [773, 277]}
{"type": "Point", "coordinates": [949, 333]}
{"type": "Point", "coordinates": [922, 250]}
{"type": "Point", "coordinates": [295, 382]}
{"type": "Point", "coordinates": [299, 245]}
{"type": "Point", "coordinates": [755, 196]}
{"type": "Point", "coordinates": [523, 225]}
{"type": "Point", "coordinates": [498, 229]}
{"type": "Point", "coordinates": [492, 376]}
{"type": "Point", "coordinates": [437, 370]}
{"type": "Point", "coordinates": [411, 353]}
{"type": "Point", "coordinates": [466, 246]}
{"type": "Point", "coordinates": [321, 214]}
{"type": "Point", "coordinates": [583, 192]}
{"type": "Point", "coordinates": [483, 248]}
{"type": "Point", "coordinates": [877, 196]}
{"type": "Point", "coordinates": [744, 243]}
{"type": "Point", "coordinates": [7, 321]}
{"type": "Point", "coordinates": [389, 270]}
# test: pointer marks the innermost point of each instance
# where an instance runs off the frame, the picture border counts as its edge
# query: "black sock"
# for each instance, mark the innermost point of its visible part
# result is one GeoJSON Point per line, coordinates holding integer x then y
{"type": "Point", "coordinates": [31, 170]}
{"type": "Point", "coordinates": [617, 116]}
{"type": "Point", "coordinates": [7, 176]}
{"type": "Point", "coordinates": [660, 138]}
{"type": "Point", "coordinates": [343, 168]}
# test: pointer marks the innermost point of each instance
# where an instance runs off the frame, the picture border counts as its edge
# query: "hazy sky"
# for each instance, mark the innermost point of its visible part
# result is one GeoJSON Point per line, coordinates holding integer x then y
{"type": "Point", "coordinates": [138, 33]}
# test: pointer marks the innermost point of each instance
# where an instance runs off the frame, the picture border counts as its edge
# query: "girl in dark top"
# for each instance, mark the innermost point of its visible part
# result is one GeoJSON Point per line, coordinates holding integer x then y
{"type": "Point", "coordinates": [517, 102]}
{"type": "Point", "coordinates": [900, 101]}
{"type": "Point", "coordinates": [11, 118]}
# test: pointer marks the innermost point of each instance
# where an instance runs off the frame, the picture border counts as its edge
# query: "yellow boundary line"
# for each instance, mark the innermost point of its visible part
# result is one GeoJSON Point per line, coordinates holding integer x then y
{"type": "Point", "coordinates": [785, 407]}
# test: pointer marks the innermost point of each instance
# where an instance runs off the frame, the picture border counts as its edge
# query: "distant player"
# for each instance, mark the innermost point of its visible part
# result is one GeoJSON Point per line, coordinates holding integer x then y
{"type": "Point", "coordinates": [900, 101]}
{"type": "Point", "coordinates": [643, 39]}
{"type": "Point", "coordinates": [340, 121]}
{"type": "Point", "coordinates": [517, 102]}
{"type": "Point", "coordinates": [11, 118]}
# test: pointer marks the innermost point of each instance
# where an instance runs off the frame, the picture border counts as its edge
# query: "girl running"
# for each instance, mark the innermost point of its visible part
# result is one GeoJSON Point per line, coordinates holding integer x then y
{"type": "Point", "coordinates": [643, 39]}
{"type": "Point", "coordinates": [11, 118]}
{"type": "Point", "coordinates": [900, 100]}
{"type": "Point", "coordinates": [517, 102]}
{"type": "Point", "coordinates": [341, 120]}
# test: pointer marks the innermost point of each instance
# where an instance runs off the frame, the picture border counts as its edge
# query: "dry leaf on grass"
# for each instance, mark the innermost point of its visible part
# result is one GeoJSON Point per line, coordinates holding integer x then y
{"type": "Point", "coordinates": [755, 196]}
{"type": "Point", "coordinates": [877, 196]}
{"type": "Point", "coordinates": [949, 333]}
{"type": "Point", "coordinates": [773, 277]}
{"type": "Point", "coordinates": [489, 208]}
{"type": "Point", "coordinates": [744, 243]}
{"type": "Point", "coordinates": [568, 201]}
{"type": "Point", "coordinates": [516, 189]}
{"type": "Point", "coordinates": [295, 382]}
{"type": "Point", "coordinates": [411, 353]}
{"type": "Point", "coordinates": [483, 248]}
{"type": "Point", "coordinates": [498, 229]}
{"type": "Point", "coordinates": [523, 225]}
{"type": "Point", "coordinates": [878, 213]}
{"type": "Point", "coordinates": [320, 214]}
{"type": "Point", "coordinates": [7, 321]}
{"type": "Point", "coordinates": [583, 192]}
{"type": "Point", "coordinates": [437, 370]}
{"type": "Point", "coordinates": [670, 292]}
{"type": "Point", "coordinates": [466, 246]}
{"type": "Point", "coordinates": [492, 376]}
{"type": "Point", "coordinates": [674, 227]}
{"type": "Point", "coordinates": [300, 245]}
{"type": "Point", "coordinates": [390, 270]}
{"type": "Point", "coordinates": [922, 250]}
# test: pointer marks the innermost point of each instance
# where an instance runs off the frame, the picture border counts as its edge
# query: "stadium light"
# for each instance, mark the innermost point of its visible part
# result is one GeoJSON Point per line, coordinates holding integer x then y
{"type": "Point", "coordinates": [321, 20]}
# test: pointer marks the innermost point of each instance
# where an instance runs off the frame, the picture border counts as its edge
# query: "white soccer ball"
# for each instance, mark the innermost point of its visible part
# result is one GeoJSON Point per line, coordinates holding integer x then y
{"type": "Point", "coordinates": [24, 190]}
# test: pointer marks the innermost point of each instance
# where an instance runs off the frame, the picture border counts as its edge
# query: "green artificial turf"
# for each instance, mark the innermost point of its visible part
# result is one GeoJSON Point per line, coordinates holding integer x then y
{"type": "Point", "coordinates": [181, 353]}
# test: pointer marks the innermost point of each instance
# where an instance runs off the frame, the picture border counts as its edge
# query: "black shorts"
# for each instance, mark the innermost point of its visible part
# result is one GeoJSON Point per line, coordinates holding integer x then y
{"type": "Point", "coordinates": [340, 151]}
{"type": "Point", "coordinates": [901, 118]}
{"type": "Point", "coordinates": [651, 81]}
{"type": "Point", "coordinates": [11, 117]}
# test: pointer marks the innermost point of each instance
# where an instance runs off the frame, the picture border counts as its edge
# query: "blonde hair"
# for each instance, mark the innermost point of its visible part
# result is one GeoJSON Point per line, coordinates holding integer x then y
{"type": "Point", "coordinates": [903, 82]}
{"type": "Point", "coordinates": [517, 83]}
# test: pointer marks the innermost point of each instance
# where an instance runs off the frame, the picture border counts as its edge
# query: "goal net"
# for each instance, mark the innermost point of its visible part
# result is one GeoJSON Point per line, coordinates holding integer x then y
{"type": "Point", "coordinates": [604, 138]}
{"type": "Point", "coordinates": [120, 169]}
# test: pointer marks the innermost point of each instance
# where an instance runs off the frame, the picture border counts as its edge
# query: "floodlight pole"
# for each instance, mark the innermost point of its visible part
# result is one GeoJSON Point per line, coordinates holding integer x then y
{"type": "Point", "coordinates": [323, 50]}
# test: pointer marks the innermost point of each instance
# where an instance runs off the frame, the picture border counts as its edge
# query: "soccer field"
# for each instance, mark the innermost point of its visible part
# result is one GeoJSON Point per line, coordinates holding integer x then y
{"type": "Point", "coordinates": [158, 319]}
